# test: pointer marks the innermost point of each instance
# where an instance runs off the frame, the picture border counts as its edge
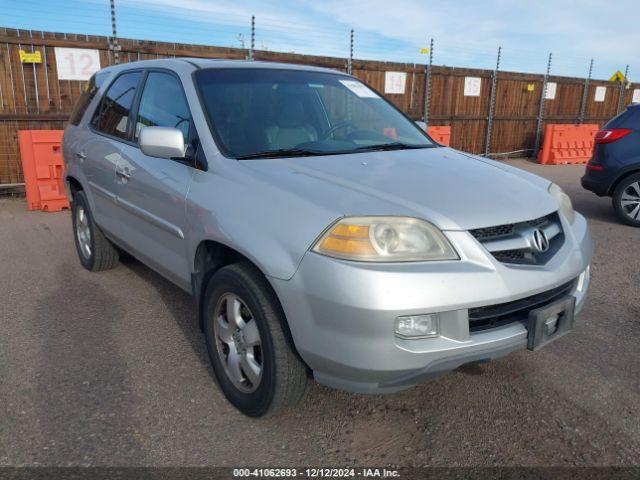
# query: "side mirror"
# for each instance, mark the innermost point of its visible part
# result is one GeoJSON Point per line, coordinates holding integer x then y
{"type": "Point", "coordinates": [162, 142]}
{"type": "Point", "coordinates": [422, 125]}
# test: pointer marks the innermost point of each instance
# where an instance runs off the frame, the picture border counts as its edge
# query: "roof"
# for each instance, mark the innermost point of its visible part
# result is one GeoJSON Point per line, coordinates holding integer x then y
{"type": "Point", "coordinates": [219, 63]}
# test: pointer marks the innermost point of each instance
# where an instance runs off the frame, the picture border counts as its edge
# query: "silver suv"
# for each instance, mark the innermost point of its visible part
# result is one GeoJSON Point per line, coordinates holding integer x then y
{"type": "Point", "coordinates": [320, 231]}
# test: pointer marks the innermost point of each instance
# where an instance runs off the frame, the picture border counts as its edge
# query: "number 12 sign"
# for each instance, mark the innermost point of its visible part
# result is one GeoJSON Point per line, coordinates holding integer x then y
{"type": "Point", "coordinates": [77, 63]}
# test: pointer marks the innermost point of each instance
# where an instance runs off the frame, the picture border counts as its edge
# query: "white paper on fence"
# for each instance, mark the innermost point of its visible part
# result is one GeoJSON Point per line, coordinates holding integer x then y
{"type": "Point", "coordinates": [636, 95]}
{"type": "Point", "coordinates": [601, 92]}
{"type": "Point", "coordinates": [394, 82]}
{"type": "Point", "coordinates": [76, 63]}
{"type": "Point", "coordinates": [360, 89]}
{"type": "Point", "coordinates": [551, 91]}
{"type": "Point", "coordinates": [472, 86]}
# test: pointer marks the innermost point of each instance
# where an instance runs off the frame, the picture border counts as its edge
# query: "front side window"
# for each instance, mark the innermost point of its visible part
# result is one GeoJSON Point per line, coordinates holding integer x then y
{"type": "Point", "coordinates": [163, 105]}
{"type": "Point", "coordinates": [259, 112]}
{"type": "Point", "coordinates": [112, 115]}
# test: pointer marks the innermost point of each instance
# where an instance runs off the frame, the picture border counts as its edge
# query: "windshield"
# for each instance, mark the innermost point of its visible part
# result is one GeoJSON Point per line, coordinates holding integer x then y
{"type": "Point", "coordinates": [262, 113]}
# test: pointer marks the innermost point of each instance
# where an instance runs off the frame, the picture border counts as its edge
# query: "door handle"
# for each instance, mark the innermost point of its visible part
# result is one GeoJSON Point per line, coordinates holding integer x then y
{"type": "Point", "coordinates": [81, 156]}
{"type": "Point", "coordinates": [123, 174]}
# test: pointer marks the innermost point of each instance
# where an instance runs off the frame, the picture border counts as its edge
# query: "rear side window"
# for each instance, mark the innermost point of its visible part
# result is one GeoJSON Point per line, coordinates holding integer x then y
{"type": "Point", "coordinates": [630, 118]}
{"type": "Point", "coordinates": [163, 104]}
{"type": "Point", "coordinates": [90, 90]}
{"type": "Point", "coordinates": [112, 115]}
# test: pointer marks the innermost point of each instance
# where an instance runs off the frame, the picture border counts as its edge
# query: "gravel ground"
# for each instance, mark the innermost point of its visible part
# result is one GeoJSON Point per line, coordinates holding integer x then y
{"type": "Point", "coordinates": [111, 369]}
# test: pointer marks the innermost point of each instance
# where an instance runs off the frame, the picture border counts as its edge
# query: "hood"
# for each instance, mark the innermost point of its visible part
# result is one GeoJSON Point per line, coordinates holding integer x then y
{"type": "Point", "coordinates": [452, 190]}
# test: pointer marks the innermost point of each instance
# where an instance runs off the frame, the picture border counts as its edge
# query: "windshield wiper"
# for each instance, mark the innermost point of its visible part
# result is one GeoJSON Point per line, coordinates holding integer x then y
{"type": "Point", "coordinates": [390, 146]}
{"type": "Point", "coordinates": [302, 152]}
{"type": "Point", "coordinates": [283, 152]}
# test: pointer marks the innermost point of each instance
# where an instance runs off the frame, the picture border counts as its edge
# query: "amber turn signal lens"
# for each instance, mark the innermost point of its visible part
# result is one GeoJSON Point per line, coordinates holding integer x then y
{"type": "Point", "coordinates": [350, 230]}
{"type": "Point", "coordinates": [348, 239]}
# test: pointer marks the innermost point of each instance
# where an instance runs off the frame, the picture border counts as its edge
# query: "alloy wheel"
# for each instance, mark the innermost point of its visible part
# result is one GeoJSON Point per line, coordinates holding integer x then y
{"type": "Point", "coordinates": [238, 342]}
{"type": "Point", "coordinates": [83, 231]}
{"type": "Point", "coordinates": [630, 201]}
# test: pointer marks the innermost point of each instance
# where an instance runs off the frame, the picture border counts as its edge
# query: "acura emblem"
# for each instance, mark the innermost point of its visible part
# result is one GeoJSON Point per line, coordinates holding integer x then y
{"type": "Point", "coordinates": [540, 241]}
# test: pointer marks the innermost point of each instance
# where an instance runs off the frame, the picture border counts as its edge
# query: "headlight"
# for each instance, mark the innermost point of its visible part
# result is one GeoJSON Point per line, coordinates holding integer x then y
{"type": "Point", "coordinates": [385, 239]}
{"type": "Point", "coordinates": [566, 207]}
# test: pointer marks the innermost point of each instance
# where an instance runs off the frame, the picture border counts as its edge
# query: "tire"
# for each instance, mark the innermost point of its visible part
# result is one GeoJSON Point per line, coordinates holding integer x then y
{"type": "Point", "coordinates": [282, 378]}
{"type": "Point", "coordinates": [626, 200]}
{"type": "Point", "coordinates": [95, 252]}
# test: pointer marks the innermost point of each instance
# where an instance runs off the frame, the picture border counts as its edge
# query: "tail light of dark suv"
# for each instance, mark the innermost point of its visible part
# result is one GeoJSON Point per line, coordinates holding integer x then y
{"type": "Point", "coordinates": [610, 135]}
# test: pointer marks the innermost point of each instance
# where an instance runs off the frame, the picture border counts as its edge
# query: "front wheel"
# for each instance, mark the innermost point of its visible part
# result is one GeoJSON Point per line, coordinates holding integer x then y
{"type": "Point", "coordinates": [250, 349]}
{"type": "Point", "coordinates": [626, 200]}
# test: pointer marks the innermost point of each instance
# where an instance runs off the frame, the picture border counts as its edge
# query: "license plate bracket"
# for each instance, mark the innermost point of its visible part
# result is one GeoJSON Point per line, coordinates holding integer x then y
{"type": "Point", "coordinates": [550, 322]}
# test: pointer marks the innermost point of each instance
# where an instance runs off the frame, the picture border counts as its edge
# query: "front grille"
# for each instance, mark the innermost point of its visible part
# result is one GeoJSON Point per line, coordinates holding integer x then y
{"type": "Point", "coordinates": [512, 256]}
{"type": "Point", "coordinates": [498, 231]}
{"type": "Point", "coordinates": [493, 232]}
{"type": "Point", "coordinates": [539, 221]}
{"type": "Point", "coordinates": [491, 316]}
{"type": "Point", "coordinates": [491, 238]}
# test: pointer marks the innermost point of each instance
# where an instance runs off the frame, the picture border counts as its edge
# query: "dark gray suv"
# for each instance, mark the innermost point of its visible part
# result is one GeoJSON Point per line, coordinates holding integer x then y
{"type": "Point", "coordinates": [614, 169]}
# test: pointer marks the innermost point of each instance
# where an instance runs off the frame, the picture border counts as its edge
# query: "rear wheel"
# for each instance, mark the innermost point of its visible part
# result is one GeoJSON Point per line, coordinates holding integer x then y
{"type": "Point", "coordinates": [94, 250]}
{"type": "Point", "coordinates": [252, 356]}
{"type": "Point", "coordinates": [626, 200]}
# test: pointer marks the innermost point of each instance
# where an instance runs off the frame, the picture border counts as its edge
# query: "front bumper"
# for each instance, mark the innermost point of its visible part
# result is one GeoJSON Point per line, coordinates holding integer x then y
{"type": "Point", "coordinates": [341, 314]}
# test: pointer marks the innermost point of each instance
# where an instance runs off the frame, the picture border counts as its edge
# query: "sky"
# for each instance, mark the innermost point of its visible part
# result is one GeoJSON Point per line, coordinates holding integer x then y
{"type": "Point", "coordinates": [465, 33]}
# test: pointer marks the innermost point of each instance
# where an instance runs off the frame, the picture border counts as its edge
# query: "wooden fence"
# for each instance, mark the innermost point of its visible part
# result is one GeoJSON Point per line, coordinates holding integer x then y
{"type": "Point", "coordinates": [32, 96]}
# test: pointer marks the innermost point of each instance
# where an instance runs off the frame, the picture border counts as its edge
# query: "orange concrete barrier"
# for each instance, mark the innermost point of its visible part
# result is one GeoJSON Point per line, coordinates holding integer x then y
{"type": "Point", "coordinates": [441, 134]}
{"type": "Point", "coordinates": [41, 153]}
{"type": "Point", "coordinates": [567, 143]}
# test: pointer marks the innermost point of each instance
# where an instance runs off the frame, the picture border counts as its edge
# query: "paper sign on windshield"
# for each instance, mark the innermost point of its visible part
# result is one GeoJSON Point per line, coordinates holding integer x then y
{"type": "Point", "coordinates": [360, 89]}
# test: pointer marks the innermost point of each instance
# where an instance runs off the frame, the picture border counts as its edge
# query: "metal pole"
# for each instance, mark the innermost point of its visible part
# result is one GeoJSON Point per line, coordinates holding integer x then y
{"type": "Point", "coordinates": [253, 37]}
{"type": "Point", "coordinates": [11, 185]}
{"type": "Point", "coordinates": [13, 88]}
{"type": "Point", "coordinates": [413, 81]}
{"type": "Point", "coordinates": [46, 72]}
{"type": "Point", "coordinates": [24, 83]}
{"type": "Point", "coordinates": [35, 76]}
{"type": "Point", "coordinates": [585, 94]}
{"type": "Point", "coordinates": [492, 103]}
{"type": "Point", "coordinates": [536, 148]}
{"type": "Point", "coordinates": [350, 72]}
{"type": "Point", "coordinates": [350, 62]}
{"type": "Point", "coordinates": [623, 84]}
{"type": "Point", "coordinates": [67, 81]}
{"type": "Point", "coordinates": [114, 39]}
{"type": "Point", "coordinates": [427, 85]}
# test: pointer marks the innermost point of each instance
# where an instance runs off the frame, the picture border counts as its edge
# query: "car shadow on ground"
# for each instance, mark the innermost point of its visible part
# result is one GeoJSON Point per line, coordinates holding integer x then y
{"type": "Point", "coordinates": [183, 310]}
{"type": "Point", "coordinates": [82, 383]}
{"type": "Point", "coordinates": [180, 304]}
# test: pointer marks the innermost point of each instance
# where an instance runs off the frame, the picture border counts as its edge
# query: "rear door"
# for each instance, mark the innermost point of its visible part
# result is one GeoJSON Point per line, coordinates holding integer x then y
{"type": "Point", "coordinates": [100, 153]}
{"type": "Point", "coordinates": [152, 191]}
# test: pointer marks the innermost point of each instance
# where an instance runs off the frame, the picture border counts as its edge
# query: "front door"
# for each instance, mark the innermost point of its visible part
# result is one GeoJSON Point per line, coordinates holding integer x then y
{"type": "Point", "coordinates": [152, 191]}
